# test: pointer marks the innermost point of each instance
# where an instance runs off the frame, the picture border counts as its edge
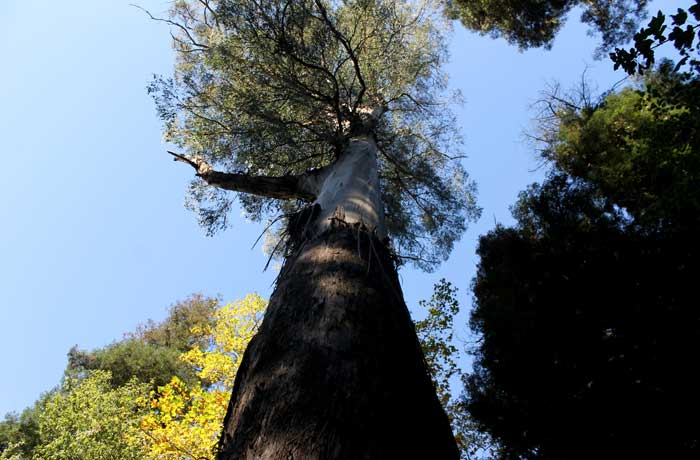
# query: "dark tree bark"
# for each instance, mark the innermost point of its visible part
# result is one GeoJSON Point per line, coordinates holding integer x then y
{"type": "Point", "coordinates": [336, 370]}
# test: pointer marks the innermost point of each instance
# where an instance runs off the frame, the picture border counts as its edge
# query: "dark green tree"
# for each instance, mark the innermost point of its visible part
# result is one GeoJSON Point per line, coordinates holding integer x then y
{"type": "Point", "coordinates": [535, 23]}
{"type": "Point", "coordinates": [586, 309]}
{"type": "Point", "coordinates": [152, 352]}
{"type": "Point", "coordinates": [22, 430]}
{"type": "Point", "coordinates": [131, 358]}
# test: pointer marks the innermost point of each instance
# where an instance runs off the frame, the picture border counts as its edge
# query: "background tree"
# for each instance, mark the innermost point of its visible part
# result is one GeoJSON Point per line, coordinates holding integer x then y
{"type": "Point", "coordinates": [535, 23]}
{"type": "Point", "coordinates": [152, 353]}
{"type": "Point", "coordinates": [176, 420]}
{"type": "Point", "coordinates": [88, 419]}
{"type": "Point", "coordinates": [586, 308]}
{"type": "Point", "coordinates": [186, 420]}
{"type": "Point", "coordinates": [332, 116]}
{"type": "Point", "coordinates": [182, 420]}
{"type": "Point", "coordinates": [19, 433]}
{"type": "Point", "coordinates": [186, 325]}
{"type": "Point", "coordinates": [436, 335]}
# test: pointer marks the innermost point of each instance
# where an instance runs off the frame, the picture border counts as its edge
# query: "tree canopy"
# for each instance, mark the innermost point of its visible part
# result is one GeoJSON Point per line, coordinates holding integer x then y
{"type": "Point", "coordinates": [586, 309]}
{"type": "Point", "coordinates": [272, 89]}
{"type": "Point", "coordinates": [535, 23]}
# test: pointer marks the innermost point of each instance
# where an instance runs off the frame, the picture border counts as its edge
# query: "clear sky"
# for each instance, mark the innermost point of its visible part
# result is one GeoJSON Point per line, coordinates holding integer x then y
{"type": "Point", "coordinates": [93, 235]}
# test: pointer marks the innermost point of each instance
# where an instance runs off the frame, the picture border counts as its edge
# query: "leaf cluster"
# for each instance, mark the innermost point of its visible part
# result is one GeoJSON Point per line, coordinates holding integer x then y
{"type": "Point", "coordinates": [682, 31]}
{"type": "Point", "coordinates": [90, 419]}
{"type": "Point", "coordinates": [186, 420]}
{"type": "Point", "coordinates": [19, 433]}
{"type": "Point", "coordinates": [636, 149]}
{"type": "Point", "coordinates": [436, 335]}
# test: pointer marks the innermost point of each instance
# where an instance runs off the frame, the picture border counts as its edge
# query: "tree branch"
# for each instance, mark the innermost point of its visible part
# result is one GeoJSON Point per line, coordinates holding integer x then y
{"type": "Point", "coordinates": [173, 23]}
{"type": "Point", "coordinates": [349, 49]}
{"type": "Point", "coordinates": [293, 187]}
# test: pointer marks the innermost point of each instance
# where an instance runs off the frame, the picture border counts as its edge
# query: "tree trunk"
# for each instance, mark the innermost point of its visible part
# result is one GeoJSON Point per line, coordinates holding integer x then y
{"type": "Point", "coordinates": [336, 370]}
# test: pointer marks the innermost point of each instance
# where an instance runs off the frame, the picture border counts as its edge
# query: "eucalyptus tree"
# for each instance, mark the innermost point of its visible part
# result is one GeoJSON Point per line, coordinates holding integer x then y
{"type": "Point", "coordinates": [332, 118]}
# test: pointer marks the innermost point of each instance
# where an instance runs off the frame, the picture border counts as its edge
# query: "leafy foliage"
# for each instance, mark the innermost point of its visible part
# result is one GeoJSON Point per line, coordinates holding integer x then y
{"type": "Point", "coordinates": [275, 88]}
{"type": "Point", "coordinates": [197, 312]}
{"type": "Point", "coordinates": [178, 419]}
{"type": "Point", "coordinates": [236, 324]}
{"type": "Point", "coordinates": [152, 352]}
{"type": "Point", "coordinates": [19, 434]}
{"type": "Point", "coordinates": [586, 308]}
{"type": "Point", "coordinates": [186, 420]}
{"type": "Point", "coordinates": [534, 23]}
{"type": "Point", "coordinates": [637, 148]}
{"type": "Point", "coordinates": [89, 419]}
{"type": "Point", "coordinates": [435, 333]}
{"type": "Point", "coordinates": [132, 358]}
{"type": "Point", "coordinates": [682, 31]}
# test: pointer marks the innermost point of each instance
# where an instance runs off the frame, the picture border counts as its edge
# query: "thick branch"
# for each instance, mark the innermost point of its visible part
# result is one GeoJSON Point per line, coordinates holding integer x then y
{"type": "Point", "coordinates": [299, 187]}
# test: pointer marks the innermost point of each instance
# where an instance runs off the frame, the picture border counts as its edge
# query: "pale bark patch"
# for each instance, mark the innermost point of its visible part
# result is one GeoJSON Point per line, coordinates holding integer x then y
{"type": "Point", "coordinates": [350, 190]}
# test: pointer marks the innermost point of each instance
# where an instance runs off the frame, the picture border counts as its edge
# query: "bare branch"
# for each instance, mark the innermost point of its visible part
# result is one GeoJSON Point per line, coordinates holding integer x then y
{"type": "Point", "coordinates": [172, 23]}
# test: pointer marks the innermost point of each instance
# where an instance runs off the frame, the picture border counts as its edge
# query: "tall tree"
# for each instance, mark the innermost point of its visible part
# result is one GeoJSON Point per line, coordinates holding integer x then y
{"type": "Point", "coordinates": [333, 115]}
{"type": "Point", "coordinates": [587, 308]}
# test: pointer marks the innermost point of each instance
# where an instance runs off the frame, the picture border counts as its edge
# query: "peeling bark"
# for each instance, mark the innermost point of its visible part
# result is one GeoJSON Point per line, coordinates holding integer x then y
{"type": "Point", "coordinates": [336, 371]}
{"type": "Point", "coordinates": [350, 188]}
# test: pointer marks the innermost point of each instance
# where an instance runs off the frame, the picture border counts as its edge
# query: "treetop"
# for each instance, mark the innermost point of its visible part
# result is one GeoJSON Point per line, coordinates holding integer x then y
{"type": "Point", "coordinates": [278, 88]}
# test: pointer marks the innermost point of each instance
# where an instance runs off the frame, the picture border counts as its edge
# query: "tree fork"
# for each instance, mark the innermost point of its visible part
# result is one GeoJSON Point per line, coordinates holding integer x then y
{"type": "Point", "coordinates": [336, 370]}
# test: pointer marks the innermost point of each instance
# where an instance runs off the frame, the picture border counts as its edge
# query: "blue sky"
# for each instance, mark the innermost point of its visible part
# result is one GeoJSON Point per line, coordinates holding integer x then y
{"type": "Point", "coordinates": [94, 238]}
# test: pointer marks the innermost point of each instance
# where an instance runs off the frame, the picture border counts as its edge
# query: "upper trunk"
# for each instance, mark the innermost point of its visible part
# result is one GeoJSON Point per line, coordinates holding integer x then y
{"type": "Point", "coordinates": [350, 188]}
